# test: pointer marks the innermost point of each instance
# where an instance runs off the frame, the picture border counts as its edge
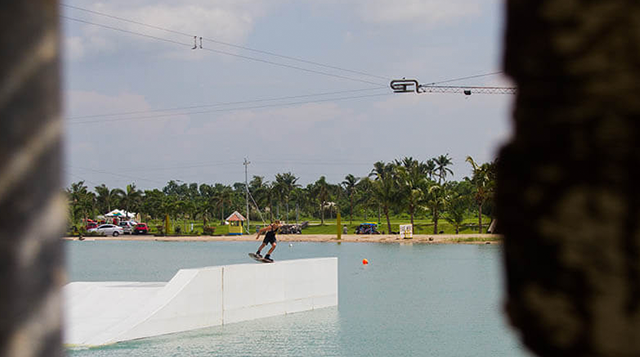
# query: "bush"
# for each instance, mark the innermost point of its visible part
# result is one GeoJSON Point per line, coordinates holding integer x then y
{"type": "Point", "coordinates": [208, 231]}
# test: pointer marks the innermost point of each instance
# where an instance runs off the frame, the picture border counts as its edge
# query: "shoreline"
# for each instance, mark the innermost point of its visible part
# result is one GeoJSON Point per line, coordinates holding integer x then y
{"type": "Point", "coordinates": [348, 238]}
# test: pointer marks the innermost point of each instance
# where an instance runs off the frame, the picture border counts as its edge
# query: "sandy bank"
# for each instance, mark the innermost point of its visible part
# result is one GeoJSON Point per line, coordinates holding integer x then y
{"type": "Point", "coordinates": [382, 238]}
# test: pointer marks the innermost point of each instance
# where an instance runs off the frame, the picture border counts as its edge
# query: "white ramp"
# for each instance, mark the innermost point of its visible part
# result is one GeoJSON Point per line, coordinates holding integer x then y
{"type": "Point", "coordinates": [99, 313]}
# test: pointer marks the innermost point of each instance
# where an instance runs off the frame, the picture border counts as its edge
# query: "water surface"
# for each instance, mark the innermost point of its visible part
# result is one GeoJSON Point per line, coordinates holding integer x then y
{"type": "Point", "coordinates": [410, 300]}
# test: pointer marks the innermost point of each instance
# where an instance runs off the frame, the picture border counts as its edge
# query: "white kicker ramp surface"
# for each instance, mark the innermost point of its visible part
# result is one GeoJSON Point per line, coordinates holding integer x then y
{"type": "Point", "coordinates": [99, 313]}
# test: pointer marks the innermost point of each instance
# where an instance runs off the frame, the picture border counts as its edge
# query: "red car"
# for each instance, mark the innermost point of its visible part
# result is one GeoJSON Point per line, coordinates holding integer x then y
{"type": "Point", "coordinates": [91, 225]}
{"type": "Point", "coordinates": [141, 228]}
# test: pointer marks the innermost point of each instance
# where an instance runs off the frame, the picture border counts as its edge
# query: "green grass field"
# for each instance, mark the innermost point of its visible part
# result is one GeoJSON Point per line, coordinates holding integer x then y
{"type": "Point", "coordinates": [422, 226]}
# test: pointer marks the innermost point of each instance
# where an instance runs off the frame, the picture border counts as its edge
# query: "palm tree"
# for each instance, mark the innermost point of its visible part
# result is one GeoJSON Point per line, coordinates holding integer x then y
{"type": "Point", "coordinates": [179, 207]}
{"type": "Point", "coordinates": [106, 198]}
{"type": "Point", "coordinates": [436, 201]}
{"type": "Point", "coordinates": [483, 180]}
{"type": "Point", "coordinates": [457, 206]}
{"type": "Point", "coordinates": [441, 170]}
{"type": "Point", "coordinates": [192, 191]}
{"type": "Point", "coordinates": [321, 191]}
{"type": "Point", "coordinates": [286, 183]}
{"type": "Point", "coordinates": [168, 206]}
{"type": "Point", "coordinates": [152, 203]}
{"type": "Point", "coordinates": [172, 189]}
{"type": "Point", "coordinates": [204, 203]}
{"type": "Point", "coordinates": [261, 192]}
{"type": "Point", "coordinates": [364, 195]}
{"type": "Point", "coordinates": [430, 168]}
{"type": "Point", "coordinates": [81, 201]}
{"type": "Point", "coordinates": [335, 191]}
{"type": "Point", "coordinates": [223, 194]}
{"type": "Point", "coordinates": [350, 186]}
{"type": "Point", "coordinates": [276, 195]}
{"type": "Point", "coordinates": [300, 196]}
{"type": "Point", "coordinates": [384, 187]}
{"type": "Point", "coordinates": [184, 209]}
{"type": "Point", "coordinates": [410, 174]}
{"type": "Point", "coordinates": [130, 198]}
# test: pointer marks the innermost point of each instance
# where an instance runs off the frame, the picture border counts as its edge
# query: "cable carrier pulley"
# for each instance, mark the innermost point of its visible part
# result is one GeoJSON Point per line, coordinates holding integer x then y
{"type": "Point", "coordinates": [412, 86]}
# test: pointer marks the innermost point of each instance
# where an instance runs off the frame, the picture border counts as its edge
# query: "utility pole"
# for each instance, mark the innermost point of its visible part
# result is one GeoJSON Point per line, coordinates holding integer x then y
{"type": "Point", "coordinates": [246, 191]}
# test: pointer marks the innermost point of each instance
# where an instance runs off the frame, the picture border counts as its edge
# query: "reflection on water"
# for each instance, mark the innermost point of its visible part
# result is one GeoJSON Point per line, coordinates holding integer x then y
{"type": "Point", "coordinates": [313, 333]}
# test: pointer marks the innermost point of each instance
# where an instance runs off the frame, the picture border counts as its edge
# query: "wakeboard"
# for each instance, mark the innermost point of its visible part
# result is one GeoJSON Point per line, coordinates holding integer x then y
{"type": "Point", "coordinates": [259, 259]}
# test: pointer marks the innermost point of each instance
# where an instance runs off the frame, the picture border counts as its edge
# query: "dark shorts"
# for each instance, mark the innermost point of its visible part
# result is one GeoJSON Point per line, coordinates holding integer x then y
{"type": "Point", "coordinates": [270, 239]}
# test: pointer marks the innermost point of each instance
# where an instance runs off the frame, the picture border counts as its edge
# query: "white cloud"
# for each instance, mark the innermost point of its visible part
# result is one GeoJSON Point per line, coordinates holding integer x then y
{"type": "Point", "coordinates": [273, 127]}
{"type": "Point", "coordinates": [73, 48]}
{"type": "Point", "coordinates": [349, 37]}
{"type": "Point", "coordinates": [416, 39]}
{"type": "Point", "coordinates": [91, 102]}
{"type": "Point", "coordinates": [230, 24]}
{"type": "Point", "coordinates": [412, 12]}
{"type": "Point", "coordinates": [226, 21]}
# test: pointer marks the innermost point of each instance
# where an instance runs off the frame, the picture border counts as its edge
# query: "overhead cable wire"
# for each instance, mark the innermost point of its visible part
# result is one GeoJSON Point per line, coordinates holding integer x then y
{"type": "Point", "coordinates": [221, 104]}
{"type": "Point", "coordinates": [75, 119]}
{"type": "Point", "coordinates": [114, 174]}
{"type": "Point", "coordinates": [249, 48]}
{"type": "Point", "coordinates": [218, 164]}
{"type": "Point", "coordinates": [257, 207]}
{"type": "Point", "coordinates": [297, 59]}
{"type": "Point", "coordinates": [291, 66]}
{"type": "Point", "coordinates": [226, 110]}
{"type": "Point", "coordinates": [312, 163]}
{"type": "Point", "coordinates": [468, 77]}
{"type": "Point", "coordinates": [126, 31]}
{"type": "Point", "coordinates": [253, 101]}
{"type": "Point", "coordinates": [226, 43]}
{"type": "Point", "coordinates": [231, 163]}
{"type": "Point", "coordinates": [225, 52]}
{"type": "Point", "coordinates": [126, 20]}
{"type": "Point", "coordinates": [69, 173]}
{"type": "Point", "coordinates": [265, 99]}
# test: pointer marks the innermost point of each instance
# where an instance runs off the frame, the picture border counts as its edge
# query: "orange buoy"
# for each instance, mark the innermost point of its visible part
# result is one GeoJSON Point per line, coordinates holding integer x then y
{"type": "Point", "coordinates": [365, 261]}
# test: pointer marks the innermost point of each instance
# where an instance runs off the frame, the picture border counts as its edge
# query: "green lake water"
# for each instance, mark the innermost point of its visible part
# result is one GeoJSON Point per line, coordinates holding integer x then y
{"type": "Point", "coordinates": [410, 300]}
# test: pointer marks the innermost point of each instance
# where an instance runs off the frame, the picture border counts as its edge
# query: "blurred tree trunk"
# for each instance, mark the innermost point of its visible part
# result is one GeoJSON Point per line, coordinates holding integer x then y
{"type": "Point", "coordinates": [567, 197]}
{"type": "Point", "coordinates": [32, 202]}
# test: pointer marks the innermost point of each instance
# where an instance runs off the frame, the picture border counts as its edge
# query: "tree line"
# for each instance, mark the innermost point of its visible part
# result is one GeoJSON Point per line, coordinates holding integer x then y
{"type": "Point", "coordinates": [419, 189]}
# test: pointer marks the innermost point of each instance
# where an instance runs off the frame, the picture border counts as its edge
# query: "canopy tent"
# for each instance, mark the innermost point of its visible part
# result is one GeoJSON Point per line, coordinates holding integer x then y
{"type": "Point", "coordinates": [120, 213]}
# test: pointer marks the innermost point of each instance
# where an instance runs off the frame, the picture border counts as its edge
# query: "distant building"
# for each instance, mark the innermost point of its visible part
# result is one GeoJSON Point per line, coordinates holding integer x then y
{"type": "Point", "coordinates": [236, 221]}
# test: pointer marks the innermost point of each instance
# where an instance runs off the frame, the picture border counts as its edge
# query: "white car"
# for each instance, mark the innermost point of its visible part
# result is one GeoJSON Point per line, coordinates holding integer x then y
{"type": "Point", "coordinates": [128, 226]}
{"type": "Point", "coordinates": [107, 229]}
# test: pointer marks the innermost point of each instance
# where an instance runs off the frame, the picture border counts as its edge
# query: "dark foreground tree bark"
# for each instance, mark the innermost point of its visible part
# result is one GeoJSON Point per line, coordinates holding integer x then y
{"type": "Point", "coordinates": [32, 205]}
{"type": "Point", "coordinates": [568, 197]}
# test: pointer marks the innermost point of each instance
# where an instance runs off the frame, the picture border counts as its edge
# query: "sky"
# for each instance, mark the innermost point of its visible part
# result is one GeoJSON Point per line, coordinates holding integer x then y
{"type": "Point", "coordinates": [298, 86]}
